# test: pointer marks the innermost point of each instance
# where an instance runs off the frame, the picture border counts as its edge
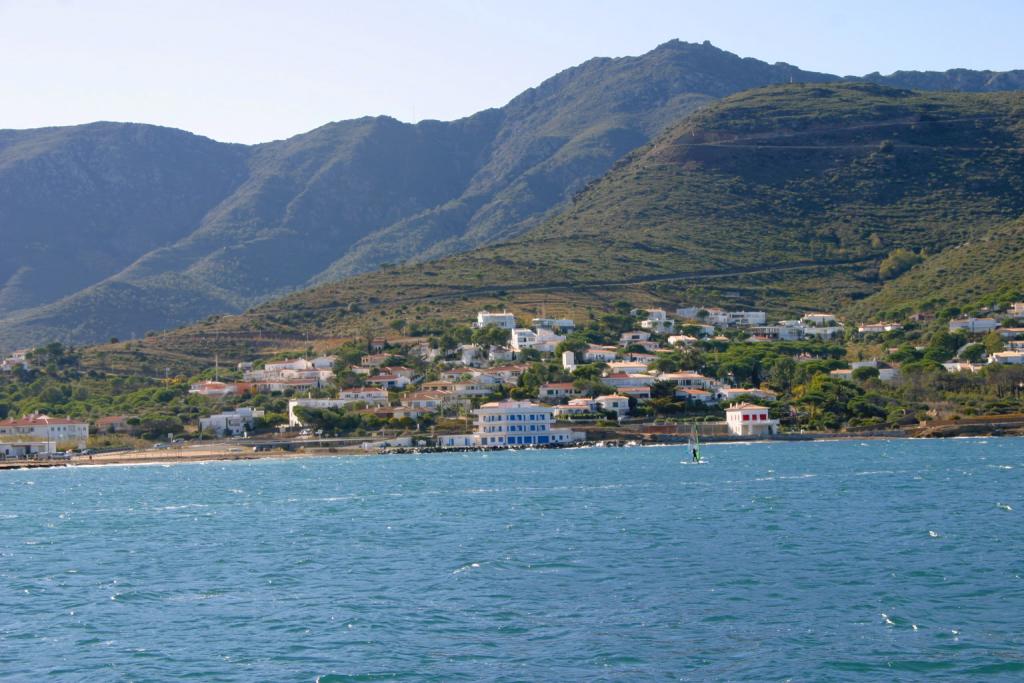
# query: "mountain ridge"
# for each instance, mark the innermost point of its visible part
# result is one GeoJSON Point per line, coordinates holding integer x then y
{"type": "Point", "coordinates": [348, 196]}
{"type": "Point", "coordinates": [785, 198]}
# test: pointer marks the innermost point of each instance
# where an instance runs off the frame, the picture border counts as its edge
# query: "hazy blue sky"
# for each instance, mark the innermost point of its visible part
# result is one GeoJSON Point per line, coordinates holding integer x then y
{"type": "Point", "coordinates": [253, 71]}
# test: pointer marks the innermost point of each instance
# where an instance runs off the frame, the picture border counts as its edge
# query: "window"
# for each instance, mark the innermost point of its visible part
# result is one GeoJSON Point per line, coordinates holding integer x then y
{"type": "Point", "coordinates": [746, 418]}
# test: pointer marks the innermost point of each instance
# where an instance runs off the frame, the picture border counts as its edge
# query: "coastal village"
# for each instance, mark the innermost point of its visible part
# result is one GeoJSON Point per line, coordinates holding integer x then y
{"type": "Point", "coordinates": [504, 382]}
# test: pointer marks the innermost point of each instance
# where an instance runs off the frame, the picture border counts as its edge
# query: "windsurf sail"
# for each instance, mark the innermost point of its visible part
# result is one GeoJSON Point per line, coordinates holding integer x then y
{"type": "Point", "coordinates": [694, 442]}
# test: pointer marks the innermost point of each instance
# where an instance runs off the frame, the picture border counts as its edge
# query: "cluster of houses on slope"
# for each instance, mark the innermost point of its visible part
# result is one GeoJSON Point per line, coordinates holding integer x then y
{"type": "Point", "coordinates": [809, 326]}
{"type": "Point", "coordinates": [474, 372]}
{"type": "Point", "coordinates": [477, 372]}
{"type": "Point", "coordinates": [468, 378]}
{"type": "Point", "coordinates": [1012, 336]}
{"type": "Point", "coordinates": [297, 374]}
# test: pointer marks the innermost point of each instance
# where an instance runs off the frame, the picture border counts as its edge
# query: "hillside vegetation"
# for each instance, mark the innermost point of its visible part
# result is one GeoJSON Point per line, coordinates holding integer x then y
{"type": "Point", "coordinates": [984, 271]}
{"type": "Point", "coordinates": [787, 197]}
{"type": "Point", "coordinates": [117, 229]}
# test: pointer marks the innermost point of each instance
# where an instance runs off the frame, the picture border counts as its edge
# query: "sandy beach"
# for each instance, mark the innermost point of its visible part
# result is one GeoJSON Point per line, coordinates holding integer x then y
{"type": "Point", "coordinates": [170, 456]}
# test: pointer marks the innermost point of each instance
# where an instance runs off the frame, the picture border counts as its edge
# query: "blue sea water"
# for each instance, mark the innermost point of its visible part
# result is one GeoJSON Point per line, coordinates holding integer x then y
{"type": "Point", "coordinates": [838, 561]}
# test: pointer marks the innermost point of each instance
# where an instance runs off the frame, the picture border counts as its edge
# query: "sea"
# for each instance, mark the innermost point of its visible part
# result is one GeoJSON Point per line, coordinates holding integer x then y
{"type": "Point", "coordinates": [881, 560]}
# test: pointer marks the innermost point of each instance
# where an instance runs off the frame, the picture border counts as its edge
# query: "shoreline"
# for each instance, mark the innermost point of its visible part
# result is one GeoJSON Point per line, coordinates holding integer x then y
{"type": "Point", "coordinates": [179, 457]}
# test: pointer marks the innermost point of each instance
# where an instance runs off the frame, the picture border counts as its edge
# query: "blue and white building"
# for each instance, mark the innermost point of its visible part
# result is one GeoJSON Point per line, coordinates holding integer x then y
{"type": "Point", "coordinates": [513, 423]}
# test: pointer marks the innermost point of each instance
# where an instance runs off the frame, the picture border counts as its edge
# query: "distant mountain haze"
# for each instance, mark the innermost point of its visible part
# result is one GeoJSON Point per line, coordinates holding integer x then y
{"type": "Point", "coordinates": [787, 198]}
{"type": "Point", "coordinates": [115, 229]}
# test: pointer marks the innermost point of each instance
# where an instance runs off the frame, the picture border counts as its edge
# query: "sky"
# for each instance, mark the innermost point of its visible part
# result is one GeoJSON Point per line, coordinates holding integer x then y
{"type": "Point", "coordinates": [253, 71]}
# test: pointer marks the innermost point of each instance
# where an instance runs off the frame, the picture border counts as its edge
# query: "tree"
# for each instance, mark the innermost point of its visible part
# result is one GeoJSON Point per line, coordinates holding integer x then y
{"type": "Point", "coordinates": [665, 364]}
{"type": "Point", "coordinates": [592, 387]}
{"type": "Point", "coordinates": [896, 263]}
{"type": "Point", "coordinates": [575, 342]}
{"type": "Point", "coordinates": [663, 389]}
{"type": "Point", "coordinates": [781, 373]}
{"type": "Point", "coordinates": [973, 353]}
{"type": "Point", "coordinates": [491, 335]}
{"type": "Point", "coordinates": [993, 342]}
{"type": "Point", "coordinates": [589, 371]}
{"type": "Point", "coordinates": [942, 346]}
{"type": "Point", "coordinates": [864, 374]}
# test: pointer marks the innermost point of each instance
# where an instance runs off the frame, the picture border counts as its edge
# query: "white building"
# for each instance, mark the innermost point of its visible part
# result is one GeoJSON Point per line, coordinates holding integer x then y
{"type": "Point", "coordinates": [726, 394]}
{"type": "Point", "coordinates": [621, 379]}
{"type": "Point", "coordinates": [613, 403]}
{"type": "Point", "coordinates": [723, 318]}
{"type": "Point", "coordinates": [576, 407]}
{"type": "Point", "coordinates": [470, 355]}
{"type": "Point", "coordinates": [568, 360]}
{"type": "Point", "coordinates": [682, 340]}
{"type": "Point", "coordinates": [1007, 357]}
{"type": "Point", "coordinates": [10, 450]}
{"type": "Point", "coordinates": [788, 331]}
{"type": "Point", "coordinates": [956, 366]}
{"type": "Point", "coordinates": [504, 320]}
{"type": "Point", "coordinates": [500, 354]}
{"type": "Point", "coordinates": [553, 323]}
{"type": "Point", "coordinates": [54, 432]}
{"type": "Point", "coordinates": [599, 354]}
{"type": "Point", "coordinates": [389, 381]}
{"type": "Point", "coordinates": [429, 401]}
{"type": "Point", "coordinates": [828, 332]}
{"type": "Point", "coordinates": [701, 329]}
{"type": "Point", "coordinates": [371, 396]}
{"type": "Point", "coordinates": [688, 379]}
{"type": "Point", "coordinates": [627, 338]}
{"type": "Point", "coordinates": [1017, 310]}
{"type": "Point", "coordinates": [696, 395]}
{"type": "Point", "coordinates": [747, 419]}
{"type": "Point", "coordinates": [293, 373]}
{"type": "Point", "coordinates": [513, 423]}
{"type": "Point", "coordinates": [542, 340]}
{"type": "Point", "coordinates": [973, 325]}
{"type": "Point", "coordinates": [658, 321]}
{"type": "Point", "coordinates": [313, 403]}
{"type": "Point", "coordinates": [231, 422]}
{"type": "Point", "coordinates": [819, 320]}
{"type": "Point", "coordinates": [628, 367]}
{"type": "Point", "coordinates": [556, 392]}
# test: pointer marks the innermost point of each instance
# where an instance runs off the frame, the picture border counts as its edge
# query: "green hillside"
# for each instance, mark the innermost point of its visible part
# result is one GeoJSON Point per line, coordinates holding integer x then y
{"type": "Point", "coordinates": [786, 197]}
{"type": "Point", "coordinates": [117, 229]}
{"type": "Point", "coordinates": [983, 271]}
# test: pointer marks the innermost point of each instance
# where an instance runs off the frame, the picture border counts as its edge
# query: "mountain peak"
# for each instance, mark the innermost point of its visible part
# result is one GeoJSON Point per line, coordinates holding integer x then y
{"type": "Point", "coordinates": [234, 225]}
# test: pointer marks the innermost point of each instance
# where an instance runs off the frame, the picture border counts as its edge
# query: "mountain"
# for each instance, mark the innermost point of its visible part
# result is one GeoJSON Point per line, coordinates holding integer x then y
{"type": "Point", "coordinates": [786, 197]}
{"type": "Point", "coordinates": [122, 228]}
{"type": "Point", "coordinates": [78, 205]}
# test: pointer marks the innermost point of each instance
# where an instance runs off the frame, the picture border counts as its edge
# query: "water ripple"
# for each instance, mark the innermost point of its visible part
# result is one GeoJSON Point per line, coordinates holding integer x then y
{"type": "Point", "coordinates": [805, 561]}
